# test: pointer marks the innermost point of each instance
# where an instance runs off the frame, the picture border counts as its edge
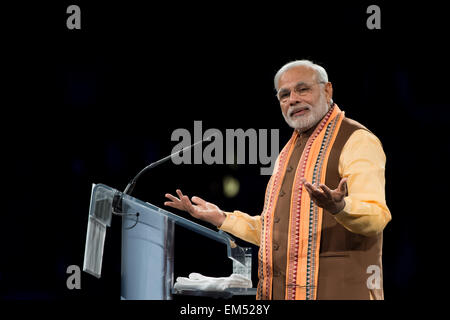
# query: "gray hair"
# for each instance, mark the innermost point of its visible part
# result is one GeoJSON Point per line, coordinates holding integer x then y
{"type": "Point", "coordinates": [320, 71]}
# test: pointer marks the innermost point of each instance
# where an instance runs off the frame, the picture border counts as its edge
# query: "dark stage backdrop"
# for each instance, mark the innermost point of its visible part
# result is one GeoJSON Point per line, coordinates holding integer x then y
{"type": "Point", "coordinates": [96, 105]}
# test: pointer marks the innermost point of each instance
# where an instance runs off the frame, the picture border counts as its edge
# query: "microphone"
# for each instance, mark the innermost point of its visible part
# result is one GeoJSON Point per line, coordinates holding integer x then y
{"type": "Point", "coordinates": [117, 199]}
{"type": "Point", "coordinates": [132, 183]}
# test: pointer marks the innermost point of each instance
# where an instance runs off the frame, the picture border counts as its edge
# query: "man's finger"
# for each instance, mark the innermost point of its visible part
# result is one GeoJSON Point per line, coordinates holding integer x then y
{"type": "Point", "coordinates": [305, 182]}
{"type": "Point", "coordinates": [171, 197]}
{"type": "Point", "coordinates": [312, 190]}
{"type": "Point", "coordinates": [315, 193]}
{"type": "Point", "coordinates": [177, 205]}
{"type": "Point", "coordinates": [309, 185]}
{"type": "Point", "coordinates": [170, 204]}
{"type": "Point", "coordinates": [343, 186]}
{"type": "Point", "coordinates": [326, 190]}
{"type": "Point", "coordinates": [319, 195]}
{"type": "Point", "coordinates": [198, 200]}
{"type": "Point", "coordinates": [188, 205]}
{"type": "Point", "coordinates": [179, 193]}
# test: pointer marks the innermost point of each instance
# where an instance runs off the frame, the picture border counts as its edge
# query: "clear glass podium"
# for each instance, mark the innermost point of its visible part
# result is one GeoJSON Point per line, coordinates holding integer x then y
{"type": "Point", "coordinates": [147, 244]}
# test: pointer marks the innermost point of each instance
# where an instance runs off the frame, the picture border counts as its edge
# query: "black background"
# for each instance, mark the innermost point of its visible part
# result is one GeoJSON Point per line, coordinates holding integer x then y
{"type": "Point", "coordinates": [96, 105]}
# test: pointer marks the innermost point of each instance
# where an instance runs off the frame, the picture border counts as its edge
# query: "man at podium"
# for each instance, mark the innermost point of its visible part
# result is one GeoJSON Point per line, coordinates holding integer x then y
{"type": "Point", "coordinates": [321, 229]}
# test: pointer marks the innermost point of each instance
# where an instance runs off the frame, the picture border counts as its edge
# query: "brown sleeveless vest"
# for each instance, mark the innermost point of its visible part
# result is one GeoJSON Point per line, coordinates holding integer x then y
{"type": "Point", "coordinates": [344, 256]}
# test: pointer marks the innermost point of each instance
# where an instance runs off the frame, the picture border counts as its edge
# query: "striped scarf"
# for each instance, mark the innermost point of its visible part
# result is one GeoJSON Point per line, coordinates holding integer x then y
{"type": "Point", "coordinates": [305, 220]}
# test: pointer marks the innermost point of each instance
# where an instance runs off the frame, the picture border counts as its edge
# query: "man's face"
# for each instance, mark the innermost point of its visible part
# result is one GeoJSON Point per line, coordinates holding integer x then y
{"type": "Point", "coordinates": [303, 100]}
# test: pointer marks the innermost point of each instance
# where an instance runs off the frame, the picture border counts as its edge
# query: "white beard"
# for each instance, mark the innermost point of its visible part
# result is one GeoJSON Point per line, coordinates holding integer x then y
{"type": "Point", "coordinates": [311, 118]}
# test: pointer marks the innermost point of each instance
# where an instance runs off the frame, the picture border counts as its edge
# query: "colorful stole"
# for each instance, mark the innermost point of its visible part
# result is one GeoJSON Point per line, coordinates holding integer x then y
{"type": "Point", "coordinates": [305, 222]}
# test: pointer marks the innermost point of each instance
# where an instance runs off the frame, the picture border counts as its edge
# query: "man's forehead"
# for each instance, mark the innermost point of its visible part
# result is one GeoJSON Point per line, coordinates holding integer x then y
{"type": "Point", "coordinates": [297, 74]}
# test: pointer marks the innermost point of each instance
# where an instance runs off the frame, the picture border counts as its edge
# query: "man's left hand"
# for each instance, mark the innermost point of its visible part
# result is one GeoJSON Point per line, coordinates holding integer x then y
{"type": "Point", "coordinates": [330, 200]}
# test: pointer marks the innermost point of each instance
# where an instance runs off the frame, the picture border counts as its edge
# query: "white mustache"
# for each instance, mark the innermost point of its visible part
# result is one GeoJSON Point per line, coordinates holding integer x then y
{"type": "Point", "coordinates": [296, 108]}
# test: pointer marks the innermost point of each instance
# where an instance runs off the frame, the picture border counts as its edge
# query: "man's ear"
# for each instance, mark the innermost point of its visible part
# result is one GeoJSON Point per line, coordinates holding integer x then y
{"type": "Point", "coordinates": [328, 91]}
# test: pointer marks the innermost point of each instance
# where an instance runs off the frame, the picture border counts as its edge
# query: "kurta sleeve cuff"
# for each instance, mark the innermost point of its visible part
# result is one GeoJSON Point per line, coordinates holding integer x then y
{"type": "Point", "coordinates": [243, 226]}
{"type": "Point", "coordinates": [228, 223]}
{"type": "Point", "coordinates": [347, 208]}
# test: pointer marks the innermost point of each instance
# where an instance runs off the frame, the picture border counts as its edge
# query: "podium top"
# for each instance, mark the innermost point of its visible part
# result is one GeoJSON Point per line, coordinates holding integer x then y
{"type": "Point", "coordinates": [100, 214]}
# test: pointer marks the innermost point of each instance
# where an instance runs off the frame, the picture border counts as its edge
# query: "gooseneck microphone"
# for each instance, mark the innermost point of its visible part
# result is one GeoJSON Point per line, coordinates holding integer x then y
{"type": "Point", "coordinates": [132, 184]}
{"type": "Point", "coordinates": [117, 199]}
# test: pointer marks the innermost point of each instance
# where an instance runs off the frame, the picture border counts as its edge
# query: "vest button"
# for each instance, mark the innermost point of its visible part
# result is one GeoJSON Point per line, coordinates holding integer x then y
{"type": "Point", "coordinates": [282, 193]}
{"type": "Point", "coordinates": [289, 169]}
{"type": "Point", "coordinates": [275, 246]}
{"type": "Point", "coordinates": [276, 220]}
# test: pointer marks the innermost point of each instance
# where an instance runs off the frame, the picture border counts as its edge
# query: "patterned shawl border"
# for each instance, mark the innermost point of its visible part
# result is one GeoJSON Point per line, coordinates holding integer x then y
{"type": "Point", "coordinates": [315, 218]}
{"type": "Point", "coordinates": [264, 289]}
{"type": "Point", "coordinates": [294, 242]}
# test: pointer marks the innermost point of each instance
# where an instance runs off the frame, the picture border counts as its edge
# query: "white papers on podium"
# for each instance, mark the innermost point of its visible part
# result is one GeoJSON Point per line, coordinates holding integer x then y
{"type": "Point", "coordinates": [200, 282]}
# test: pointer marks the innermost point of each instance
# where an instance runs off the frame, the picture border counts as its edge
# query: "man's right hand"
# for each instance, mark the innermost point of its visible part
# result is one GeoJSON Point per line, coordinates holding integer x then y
{"type": "Point", "coordinates": [202, 209]}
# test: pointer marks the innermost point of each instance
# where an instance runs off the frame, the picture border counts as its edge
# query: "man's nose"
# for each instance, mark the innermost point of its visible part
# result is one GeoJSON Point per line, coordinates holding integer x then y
{"type": "Point", "coordinates": [294, 98]}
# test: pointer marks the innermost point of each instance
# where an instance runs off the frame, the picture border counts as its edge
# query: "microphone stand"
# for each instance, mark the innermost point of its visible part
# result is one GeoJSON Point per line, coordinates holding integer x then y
{"type": "Point", "coordinates": [117, 199]}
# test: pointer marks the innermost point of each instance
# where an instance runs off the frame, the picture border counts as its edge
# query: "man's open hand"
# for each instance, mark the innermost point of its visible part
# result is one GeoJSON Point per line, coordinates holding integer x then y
{"type": "Point", "coordinates": [202, 209]}
{"type": "Point", "coordinates": [330, 200]}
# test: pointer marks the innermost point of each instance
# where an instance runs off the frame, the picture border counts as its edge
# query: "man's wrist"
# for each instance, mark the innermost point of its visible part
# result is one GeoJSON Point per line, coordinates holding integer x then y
{"type": "Point", "coordinates": [339, 208]}
{"type": "Point", "coordinates": [221, 218]}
